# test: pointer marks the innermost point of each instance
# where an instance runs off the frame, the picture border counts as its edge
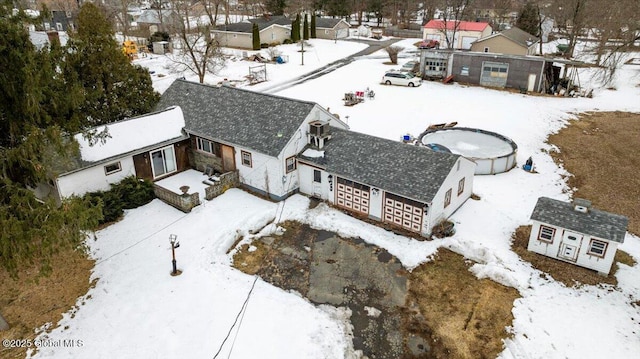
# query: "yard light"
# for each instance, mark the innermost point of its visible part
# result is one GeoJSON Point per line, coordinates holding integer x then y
{"type": "Point", "coordinates": [173, 239]}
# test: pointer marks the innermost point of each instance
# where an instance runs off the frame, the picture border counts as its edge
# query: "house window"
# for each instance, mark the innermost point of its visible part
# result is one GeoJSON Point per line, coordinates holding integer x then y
{"type": "Point", "coordinates": [464, 71]}
{"type": "Point", "coordinates": [47, 26]}
{"type": "Point", "coordinates": [206, 146]}
{"type": "Point", "coordinates": [59, 26]}
{"type": "Point", "coordinates": [235, 35]}
{"type": "Point", "coordinates": [273, 36]}
{"type": "Point", "coordinates": [461, 186]}
{"type": "Point", "coordinates": [447, 198]}
{"type": "Point", "coordinates": [291, 164]}
{"type": "Point", "coordinates": [246, 158]}
{"type": "Point", "coordinates": [163, 161]}
{"type": "Point", "coordinates": [486, 49]}
{"type": "Point", "coordinates": [326, 32]}
{"type": "Point", "coordinates": [317, 176]}
{"type": "Point", "coordinates": [112, 168]}
{"type": "Point", "coordinates": [546, 234]}
{"type": "Point", "coordinates": [597, 248]}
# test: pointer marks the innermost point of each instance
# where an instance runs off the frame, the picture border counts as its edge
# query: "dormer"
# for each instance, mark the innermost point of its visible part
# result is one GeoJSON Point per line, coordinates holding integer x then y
{"type": "Point", "coordinates": [319, 133]}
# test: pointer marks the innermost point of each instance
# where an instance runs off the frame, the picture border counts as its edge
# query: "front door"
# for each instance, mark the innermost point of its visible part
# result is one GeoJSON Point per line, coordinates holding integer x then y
{"type": "Point", "coordinates": [570, 246]}
{"type": "Point", "coordinates": [228, 158]}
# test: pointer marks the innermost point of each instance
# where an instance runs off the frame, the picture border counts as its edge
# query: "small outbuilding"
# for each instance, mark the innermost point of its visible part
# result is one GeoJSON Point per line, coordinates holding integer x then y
{"type": "Point", "coordinates": [331, 29]}
{"type": "Point", "coordinates": [511, 42]}
{"type": "Point", "coordinates": [576, 233]}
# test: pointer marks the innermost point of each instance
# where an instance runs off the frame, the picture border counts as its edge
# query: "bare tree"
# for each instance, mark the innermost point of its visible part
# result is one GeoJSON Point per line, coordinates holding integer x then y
{"type": "Point", "coordinates": [572, 17]}
{"type": "Point", "coordinates": [393, 52]}
{"type": "Point", "coordinates": [454, 12]}
{"type": "Point", "coordinates": [117, 11]}
{"type": "Point", "coordinates": [198, 52]}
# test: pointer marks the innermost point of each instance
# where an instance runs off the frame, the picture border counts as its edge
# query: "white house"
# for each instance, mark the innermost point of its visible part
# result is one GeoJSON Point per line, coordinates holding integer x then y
{"type": "Point", "coordinates": [152, 146]}
{"type": "Point", "coordinates": [258, 134]}
{"type": "Point", "coordinates": [272, 29]}
{"type": "Point", "coordinates": [403, 185]}
{"type": "Point", "coordinates": [576, 233]}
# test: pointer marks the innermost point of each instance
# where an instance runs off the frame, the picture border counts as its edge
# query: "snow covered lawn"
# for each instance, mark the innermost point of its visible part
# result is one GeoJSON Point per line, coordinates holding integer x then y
{"type": "Point", "coordinates": [138, 310]}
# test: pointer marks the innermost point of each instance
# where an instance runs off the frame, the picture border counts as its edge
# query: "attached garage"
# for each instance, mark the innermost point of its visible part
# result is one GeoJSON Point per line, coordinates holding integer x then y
{"type": "Point", "coordinates": [494, 74]}
{"type": "Point", "coordinates": [352, 196]}
{"type": "Point", "coordinates": [403, 212]}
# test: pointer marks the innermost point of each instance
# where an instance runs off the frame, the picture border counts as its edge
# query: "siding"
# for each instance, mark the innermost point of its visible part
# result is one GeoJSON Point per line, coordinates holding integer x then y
{"type": "Point", "coordinates": [94, 178]}
{"type": "Point", "coordinates": [499, 45]}
{"type": "Point", "coordinates": [519, 69]}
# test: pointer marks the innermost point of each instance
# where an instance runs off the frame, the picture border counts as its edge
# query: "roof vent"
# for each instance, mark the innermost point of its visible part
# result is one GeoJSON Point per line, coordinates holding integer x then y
{"type": "Point", "coordinates": [581, 205]}
{"type": "Point", "coordinates": [319, 133]}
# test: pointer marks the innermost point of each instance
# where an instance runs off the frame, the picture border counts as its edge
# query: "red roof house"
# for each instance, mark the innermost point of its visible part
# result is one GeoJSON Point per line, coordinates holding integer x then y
{"type": "Point", "coordinates": [466, 32]}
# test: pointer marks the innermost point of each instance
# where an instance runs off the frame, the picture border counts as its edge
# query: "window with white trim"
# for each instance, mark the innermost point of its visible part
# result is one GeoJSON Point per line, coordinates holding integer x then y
{"type": "Point", "coordinates": [112, 168]}
{"type": "Point", "coordinates": [597, 248]}
{"type": "Point", "coordinates": [464, 71]}
{"type": "Point", "coordinates": [246, 158]}
{"type": "Point", "coordinates": [291, 164]}
{"type": "Point", "coordinates": [546, 234]}
{"type": "Point", "coordinates": [461, 186]}
{"type": "Point", "coordinates": [205, 145]}
{"type": "Point", "coordinates": [447, 198]}
{"type": "Point", "coordinates": [317, 176]}
{"type": "Point", "coordinates": [486, 49]}
{"type": "Point", "coordinates": [163, 161]}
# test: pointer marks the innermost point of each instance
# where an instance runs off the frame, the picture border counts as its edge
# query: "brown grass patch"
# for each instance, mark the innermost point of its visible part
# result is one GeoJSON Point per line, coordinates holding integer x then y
{"type": "Point", "coordinates": [600, 150]}
{"type": "Point", "coordinates": [567, 273]}
{"type": "Point", "coordinates": [34, 300]}
{"type": "Point", "coordinates": [465, 317]}
{"type": "Point", "coordinates": [251, 262]}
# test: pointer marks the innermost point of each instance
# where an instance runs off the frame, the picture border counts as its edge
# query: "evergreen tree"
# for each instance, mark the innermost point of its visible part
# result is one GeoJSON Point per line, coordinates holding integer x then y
{"type": "Point", "coordinates": [313, 26]}
{"type": "Point", "coordinates": [305, 28]}
{"type": "Point", "coordinates": [256, 37]}
{"type": "Point", "coordinates": [115, 89]}
{"type": "Point", "coordinates": [38, 107]}
{"type": "Point", "coordinates": [295, 29]}
{"type": "Point", "coordinates": [529, 19]}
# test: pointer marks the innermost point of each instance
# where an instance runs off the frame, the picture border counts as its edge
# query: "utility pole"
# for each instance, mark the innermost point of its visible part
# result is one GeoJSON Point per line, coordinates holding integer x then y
{"type": "Point", "coordinates": [302, 51]}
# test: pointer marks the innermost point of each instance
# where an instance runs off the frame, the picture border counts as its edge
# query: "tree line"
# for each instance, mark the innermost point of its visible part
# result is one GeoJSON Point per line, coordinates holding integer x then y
{"type": "Point", "coordinates": [46, 96]}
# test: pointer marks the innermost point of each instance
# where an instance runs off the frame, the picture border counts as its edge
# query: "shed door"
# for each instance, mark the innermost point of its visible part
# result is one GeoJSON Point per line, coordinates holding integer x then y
{"type": "Point", "coordinates": [570, 246]}
{"type": "Point", "coordinates": [403, 212]}
{"type": "Point", "coordinates": [494, 74]}
{"type": "Point", "coordinates": [352, 196]}
{"type": "Point", "coordinates": [467, 40]}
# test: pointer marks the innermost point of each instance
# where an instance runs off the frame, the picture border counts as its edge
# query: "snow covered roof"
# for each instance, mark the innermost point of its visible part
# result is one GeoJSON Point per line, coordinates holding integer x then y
{"type": "Point", "coordinates": [450, 25]}
{"type": "Point", "coordinates": [596, 223]}
{"type": "Point", "coordinates": [324, 22]}
{"type": "Point", "coordinates": [254, 120]}
{"type": "Point", "coordinates": [411, 171]}
{"type": "Point", "coordinates": [263, 23]}
{"type": "Point", "coordinates": [133, 134]}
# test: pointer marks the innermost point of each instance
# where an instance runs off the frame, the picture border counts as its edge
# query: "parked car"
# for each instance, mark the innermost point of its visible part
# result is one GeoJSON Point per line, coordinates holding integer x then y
{"type": "Point", "coordinates": [411, 66]}
{"type": "Point", "coordinates": [401, 78]}
{"type": "Point", "coordinates": [429, 44]}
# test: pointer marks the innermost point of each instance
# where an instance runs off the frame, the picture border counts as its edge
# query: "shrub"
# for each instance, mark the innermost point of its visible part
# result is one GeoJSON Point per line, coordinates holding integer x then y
{"type": "Point", "coordinates": [264, 45]}
{"type": "Point", "coordinates": [274, 44]}
{"type": "Point", "coordinates": [129, 193]}
{"type": "Point", "coordinates": [287, 42]}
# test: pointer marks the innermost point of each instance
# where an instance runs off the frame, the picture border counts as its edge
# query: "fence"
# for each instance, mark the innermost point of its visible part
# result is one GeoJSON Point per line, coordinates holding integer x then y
{"type": "Point", "coordinates": [183, 202]}
{"type": "Point", "coordinates": [406, 33]}
{"type": "Point", "coordinates": [227, 180]}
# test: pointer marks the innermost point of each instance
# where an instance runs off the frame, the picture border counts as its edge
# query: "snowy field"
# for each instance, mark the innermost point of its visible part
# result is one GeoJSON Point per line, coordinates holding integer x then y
{"type": "Point", "coordinates": [137, 310]}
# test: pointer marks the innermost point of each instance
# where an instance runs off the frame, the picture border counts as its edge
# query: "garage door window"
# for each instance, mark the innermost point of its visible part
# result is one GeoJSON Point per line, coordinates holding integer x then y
{"type": "Point", "coordinates": [352, 195]}
{"type": "Point", "coordinates": [403, 212]}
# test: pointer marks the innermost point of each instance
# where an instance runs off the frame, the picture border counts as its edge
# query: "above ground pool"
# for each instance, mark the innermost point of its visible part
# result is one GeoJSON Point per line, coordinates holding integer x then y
{"type": "Point", "coordinates": [492, 152]}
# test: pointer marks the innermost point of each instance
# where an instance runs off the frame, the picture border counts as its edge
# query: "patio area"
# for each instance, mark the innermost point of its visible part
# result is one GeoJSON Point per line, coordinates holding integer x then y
{"type": "Point", "coordinates": [191, 178]}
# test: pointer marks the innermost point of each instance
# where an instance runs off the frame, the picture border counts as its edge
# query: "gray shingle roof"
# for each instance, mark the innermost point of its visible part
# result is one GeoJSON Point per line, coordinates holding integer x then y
{"type": "Point", "coordinates": [257, 121]}
{"type": "Point", "coordinates": [596, 223]}
{"type": "Point", "coordinates": [520, 36]}
{"type": "Point", "coordinates": [328, 23]}
{"type": "Point", "coordinates": [262, 22]}
{"type": "Point", "coordinates": [410, 171]}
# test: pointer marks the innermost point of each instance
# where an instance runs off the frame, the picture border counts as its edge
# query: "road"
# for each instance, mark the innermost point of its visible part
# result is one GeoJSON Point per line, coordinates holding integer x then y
{"type": "Point", "coordinates": [374, 45]}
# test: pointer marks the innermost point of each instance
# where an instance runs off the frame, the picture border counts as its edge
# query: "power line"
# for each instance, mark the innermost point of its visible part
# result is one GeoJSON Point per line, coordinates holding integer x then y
{"type": "Point", "coordinates": [242, 309]}
{"type": "Point", "coordinates": [140, 241]}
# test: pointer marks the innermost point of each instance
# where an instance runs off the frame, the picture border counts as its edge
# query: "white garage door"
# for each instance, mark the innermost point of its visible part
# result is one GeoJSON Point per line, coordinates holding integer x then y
{"type": "Point", "coordinates": [352, 196]}
{"type": "Point", "coordinates": [403, 212]}
{"type": "Point", "coordinates": [467, 40]}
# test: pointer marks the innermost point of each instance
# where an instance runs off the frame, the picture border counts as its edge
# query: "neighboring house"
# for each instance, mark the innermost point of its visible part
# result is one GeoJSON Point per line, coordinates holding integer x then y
{"type": "Point", "coordinates": [331, 29]}
{"type": "Point", "coordinates": [407, 186]}
{"type": "Point", "coordinates": [511, 42]}
{"type": "Point", "coordinates": [576, 233]}
{"type": "Point", "coordinates": [256, 133]}
{"type": "Point", "coordinates": [153, 20]}
{"type": "Point", "coordinates": [60, 21]}
{"type": "Point", "coordinates": [466, 32]}
{"type": "Point", "coordinates": [152, 146]}
{"type": "Point", "coordinates": [240, 35]}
